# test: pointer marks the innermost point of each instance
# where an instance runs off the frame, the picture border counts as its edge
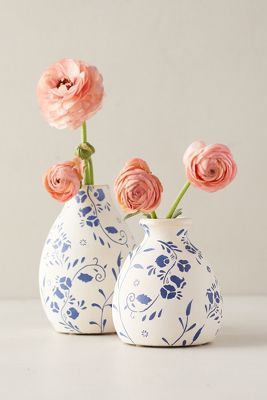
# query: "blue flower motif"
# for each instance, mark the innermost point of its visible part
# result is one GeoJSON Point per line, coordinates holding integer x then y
{"type": "Point", "coordinates": [72, 313]}
{"type": "Point", "coordinates": [184, 265]}
{"type": "Point", "coordinates": [54, 306]}
{"type": "Point", "coordinates": [65, 283]}
{"type": "Point", "coordinates": [162, 261]}
{"type": "Point", "coordinates": [217, 297]}
{"type": "Point", "coordinates": [144, 333]}
{"type": "Point", "coordinates": [92, 220]}
{"type": "Point", "coordinates": [179, 282]}
{"type": "Point", "coordinates": [81, 197]}
{"type": "Point", "coordinates": [58, 293]}
{"type": "Point", "coordinates": [168, 292]}
{"type": "Point", "coordinates": [99, 194]}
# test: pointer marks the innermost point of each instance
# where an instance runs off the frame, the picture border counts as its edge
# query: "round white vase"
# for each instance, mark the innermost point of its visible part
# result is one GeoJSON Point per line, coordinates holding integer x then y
{"type": "Point", "coordinates": [80, 262]}
{"type": "Point", "coordinates": [166, 293]}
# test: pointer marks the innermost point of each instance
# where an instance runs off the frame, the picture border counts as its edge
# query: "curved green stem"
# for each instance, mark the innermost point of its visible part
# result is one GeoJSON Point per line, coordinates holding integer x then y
{"type": "Point", "coordinates": [88, 165]}
{"type": "Point", "coordinates": [178, 199]}
{"type": "Point", "coordinates": [153, 215]}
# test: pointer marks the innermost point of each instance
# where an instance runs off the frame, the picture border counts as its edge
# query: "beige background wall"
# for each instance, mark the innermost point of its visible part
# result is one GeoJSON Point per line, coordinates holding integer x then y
{"type": "Point", "coordinates": [174, 71]}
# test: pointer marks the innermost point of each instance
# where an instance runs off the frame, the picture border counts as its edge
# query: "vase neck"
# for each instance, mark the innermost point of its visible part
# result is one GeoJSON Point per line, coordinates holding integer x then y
{"type": "Point", "coordinates": [165, 228]}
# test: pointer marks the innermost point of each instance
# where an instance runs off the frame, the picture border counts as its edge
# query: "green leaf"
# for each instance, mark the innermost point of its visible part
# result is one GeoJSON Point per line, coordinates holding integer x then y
{"type": "Point", "coordinates": [177, 213]}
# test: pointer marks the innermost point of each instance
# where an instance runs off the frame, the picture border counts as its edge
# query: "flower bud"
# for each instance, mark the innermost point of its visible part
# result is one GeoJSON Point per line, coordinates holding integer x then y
{"type": "Point", "coordinates": [85, 151]}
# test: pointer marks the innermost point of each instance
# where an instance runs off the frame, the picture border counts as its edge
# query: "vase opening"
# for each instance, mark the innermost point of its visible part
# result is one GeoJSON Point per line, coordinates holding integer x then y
{"type": "Point", "coordinates": [168, 222]}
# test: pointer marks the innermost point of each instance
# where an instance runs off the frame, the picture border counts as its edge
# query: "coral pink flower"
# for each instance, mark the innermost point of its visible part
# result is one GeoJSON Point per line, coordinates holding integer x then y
{"type": "Point", "coordinates": [209, 168]}
{"type": "Point", "coordinates": [135, 163]}
{"type": "Point", "coordinates": [63, 180]}
{"type": "Point", "coordinates": [69, 92]}
{"type": "Point", "coordinates": [136, 188]}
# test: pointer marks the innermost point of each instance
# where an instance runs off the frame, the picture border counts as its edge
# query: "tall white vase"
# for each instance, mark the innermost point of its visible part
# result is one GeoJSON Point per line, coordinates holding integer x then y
{"type": "Point", "coordinates": [166, 293]}
{"type": "Point", "coordinates": [80, 262]}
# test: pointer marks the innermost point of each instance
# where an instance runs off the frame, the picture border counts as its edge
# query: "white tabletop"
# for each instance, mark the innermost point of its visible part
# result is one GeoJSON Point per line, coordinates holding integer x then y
{"type": "Point", "coordinates": [38, 363]}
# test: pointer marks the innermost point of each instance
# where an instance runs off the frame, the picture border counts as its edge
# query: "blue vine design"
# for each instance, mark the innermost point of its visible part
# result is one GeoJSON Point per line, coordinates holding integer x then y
{"type": "Point", "coordinates": [185, 329]}
{"type": "Point", "coordinates": [89, 216]}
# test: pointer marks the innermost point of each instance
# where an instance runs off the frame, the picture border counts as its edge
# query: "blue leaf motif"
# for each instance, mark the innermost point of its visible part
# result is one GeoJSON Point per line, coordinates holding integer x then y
{"type": "Point", "coordinates": [85, 277]}
{"type": "Point", "coordinates": [138, 266]}
{"type": "Point", "coordinates": [119, 260]}
{"type": "Point", "coordinates": [166, 341]}
{"type": "Point", "coordinates": [114, 273]}
{"type": "Point", "coordinates": [143, 299]}
{"type": "Point", "coordinates": [152, 316]}
{"type": "Point", "coordinates": [188, 308]}
{"type": "Point", "coordinates": [111, 229]}
{"type": "Point", "coordinates": [101, 292]}
{"type": "Point", "coordinates": [96, 305]}
{"type": "Point", "coordinates": [197, 334]}
{"type": "Point", "coordinates": [191, 327]}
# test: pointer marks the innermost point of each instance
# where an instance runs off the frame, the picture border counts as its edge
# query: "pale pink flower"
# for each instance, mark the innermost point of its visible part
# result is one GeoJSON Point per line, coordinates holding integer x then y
{"type": "Point", "coordinates": [136, 188]}
{"type": "Point", "coordinates": [69, 92]}
{"type": "Point", "coordinates": [63, 180]}
{"type": "Point", "coordinates": [209, 168]}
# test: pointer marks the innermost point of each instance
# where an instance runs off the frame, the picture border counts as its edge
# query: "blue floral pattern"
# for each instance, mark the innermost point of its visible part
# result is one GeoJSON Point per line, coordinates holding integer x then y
{"type": "Point", "coordinates": [159, 273]}
{"type": "Point", "coordinates": [214, 299]}
{"type": "Point", "coordinates": [188, 245]}
{"type": "Point", "coordinates": [184, 337]}
{"type": "Point", "coordinates": [90, 217]}
{"type": "Point", "coordinates": [77, 291]}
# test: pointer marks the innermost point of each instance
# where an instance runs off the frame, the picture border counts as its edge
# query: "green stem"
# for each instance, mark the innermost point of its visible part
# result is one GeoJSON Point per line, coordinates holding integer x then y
{"type": "Point", "coordinates": [178, 199]}
{"type": "Point", "coordinates": [91, 169]}
{"type": "Point", "coordinates": [88, 165]}
{"type": "Point", "coordinates": [153, 215]}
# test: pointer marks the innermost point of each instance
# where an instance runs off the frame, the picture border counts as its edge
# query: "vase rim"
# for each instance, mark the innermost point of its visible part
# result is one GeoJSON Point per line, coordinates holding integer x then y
{"type": "Point", "coordinates": [180, 221]}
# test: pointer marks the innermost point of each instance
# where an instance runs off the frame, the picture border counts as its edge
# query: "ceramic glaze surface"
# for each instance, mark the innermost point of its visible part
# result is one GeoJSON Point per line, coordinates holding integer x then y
{"type": "Point", "coordinates": [166, 293]}
{"type": "Point", "coordinates": [81, 260]}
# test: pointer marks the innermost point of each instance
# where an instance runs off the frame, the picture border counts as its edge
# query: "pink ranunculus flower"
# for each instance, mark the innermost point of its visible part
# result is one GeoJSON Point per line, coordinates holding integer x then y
{"type": "Point", "coordinates": [69, 92]}
{"type": "Point", "coordinates": [63, 180]}
{"type": "Point", "coordinates": [209, 168]}
{"type": "Point", "coordinates": [135, 163]}
{"type": "Point", "coordinates": [136, 188]}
